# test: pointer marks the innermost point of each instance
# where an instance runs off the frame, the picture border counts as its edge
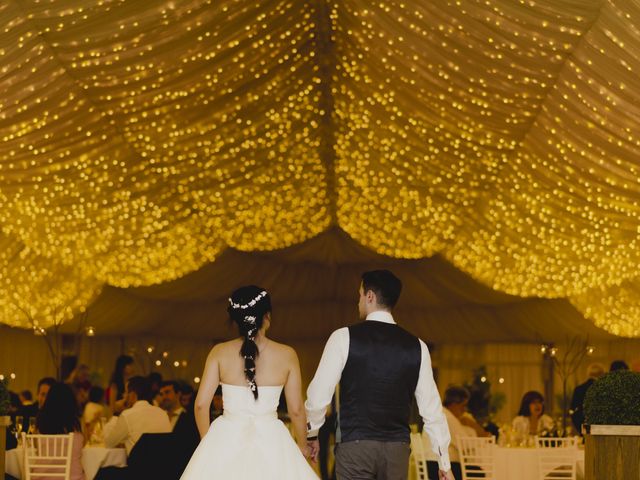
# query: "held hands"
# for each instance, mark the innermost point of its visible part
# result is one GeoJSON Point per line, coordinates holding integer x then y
{"type": "Point", "coordinates": [448, 475]}
{"type": "Point", "coordinates": [314, 450]}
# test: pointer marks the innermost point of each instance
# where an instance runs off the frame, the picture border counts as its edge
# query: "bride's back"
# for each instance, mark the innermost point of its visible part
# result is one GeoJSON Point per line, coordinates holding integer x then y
{"type": "Point", "coordinates": [273, 363]}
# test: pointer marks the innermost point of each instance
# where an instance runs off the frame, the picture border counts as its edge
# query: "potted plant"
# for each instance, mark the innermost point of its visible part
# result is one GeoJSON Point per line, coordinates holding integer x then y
{"type": "Point", "coordinates": [612, 427]}
{"type": "Point", "coordinates": [5, 420]}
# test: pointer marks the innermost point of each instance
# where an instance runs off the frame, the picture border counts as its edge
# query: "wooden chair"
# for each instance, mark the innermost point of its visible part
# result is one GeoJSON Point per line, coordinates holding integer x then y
{"type": "Point", "coordinates": [47, 456]}
{"type": "Point", "coordinates": [419, 456]}
{"type": "Point", "coordinates": [477, 457]}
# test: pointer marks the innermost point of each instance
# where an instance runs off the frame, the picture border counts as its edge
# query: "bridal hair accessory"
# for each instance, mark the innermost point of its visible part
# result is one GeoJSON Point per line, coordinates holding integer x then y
{"type": "Point", "coordinates": [250, 319]}
{"type": "Point", "coordinates": [251, 303]}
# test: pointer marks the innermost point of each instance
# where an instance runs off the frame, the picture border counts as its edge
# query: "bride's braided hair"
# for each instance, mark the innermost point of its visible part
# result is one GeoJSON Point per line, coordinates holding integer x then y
{"type": "Point", "coordinates": [247, 308]}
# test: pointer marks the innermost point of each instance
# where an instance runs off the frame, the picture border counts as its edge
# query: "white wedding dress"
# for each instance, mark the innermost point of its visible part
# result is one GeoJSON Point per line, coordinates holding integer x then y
{"type": "Point", "coordinates": [248, 441]}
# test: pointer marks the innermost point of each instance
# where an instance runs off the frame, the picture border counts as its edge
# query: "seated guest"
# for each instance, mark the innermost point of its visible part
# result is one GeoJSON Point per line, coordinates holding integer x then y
{"type": "Point", "coordinates": [531, 419]}
{"type": "Point", "coordinates": [169, 399]}
{"type": "Point", "coordinates": [183, 422]}
{"type": "Point", "coordinates": [460, 423]}
{"type": "Point", "coordinates": [618, 365]}
{"type": "Point", "coordinates": [187, 397]}
{"type": "Point", "coordinates": [26, 398]}
{"type": "Point", "coordinates": [14, 409]}
{"type": "Point", "coordinates": [94, 409]}
{"type": "Point", "coordinates": [155, 380]}
{"type": "Point", "coordinates": [59, 415]}
{"type": "Point", "coordinates": [138, 417]}
{"type": "Point", "coordinates": [31, 411]}
{"type": "Point", "coordinates": [594, 371]}
{"type": "Point", "coordinates": [122, 372]}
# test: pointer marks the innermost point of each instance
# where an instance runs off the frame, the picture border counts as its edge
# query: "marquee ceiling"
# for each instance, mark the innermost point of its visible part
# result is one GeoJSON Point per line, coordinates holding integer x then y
{"type": "Point", "coordinates": [141, 139]}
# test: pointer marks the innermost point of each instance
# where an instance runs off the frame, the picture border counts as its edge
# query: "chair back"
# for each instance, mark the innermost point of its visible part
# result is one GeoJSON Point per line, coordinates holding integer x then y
{"type": "Point", "coordinates": [158, 456]}
{"type": "Point", "coordinates": [47, 456]}
{"type": "Point", "coordinates": [419, 456]}
{"type": "Point", "coordinates": [477, 457]}
{"type": "Point", "coordinates": [556, 442]}
{"type": "Point", "coordinates": [557, 463]}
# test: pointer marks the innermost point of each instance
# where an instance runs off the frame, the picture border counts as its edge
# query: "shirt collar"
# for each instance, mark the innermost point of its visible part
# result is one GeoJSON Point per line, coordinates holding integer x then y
{"type": "Point", "coordinates": [381, 316]}
{"type": "Point", "coordinates": [178, 411]}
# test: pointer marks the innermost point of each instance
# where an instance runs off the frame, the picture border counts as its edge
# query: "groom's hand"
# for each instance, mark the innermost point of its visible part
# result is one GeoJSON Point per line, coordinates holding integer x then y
{"type": "Point", "coordinates": [448, 475]}
{"type": "Point", "coordinates": [314, 446]}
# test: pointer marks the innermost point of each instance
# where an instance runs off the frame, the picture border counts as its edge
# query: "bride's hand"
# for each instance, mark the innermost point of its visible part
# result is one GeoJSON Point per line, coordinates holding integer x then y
{"type": "Point", "coordinates": [305, 450]}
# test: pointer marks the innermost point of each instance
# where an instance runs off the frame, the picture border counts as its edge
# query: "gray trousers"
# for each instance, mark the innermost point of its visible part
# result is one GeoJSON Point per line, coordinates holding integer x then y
{"type": "Point", "coordinates": [372, 460]}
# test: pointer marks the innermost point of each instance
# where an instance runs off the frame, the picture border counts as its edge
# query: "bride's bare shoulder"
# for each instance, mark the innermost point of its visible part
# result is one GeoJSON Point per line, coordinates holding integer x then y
{"type": "Point", "coordinates": [223, 348]}
{"type": "Point", "coordinates": [284, 350]}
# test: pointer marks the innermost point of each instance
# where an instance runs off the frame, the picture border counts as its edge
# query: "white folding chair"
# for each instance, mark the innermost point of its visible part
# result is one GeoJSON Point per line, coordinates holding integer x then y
{"type": "Point", "coordinates": [47, 456]}
{"type": "Point", "coordinates": [419, 456]}
{"type": "Point", "coordinates": [557, 463]}
{"type": "Point", "coordinates": [556, 442]}
{"type": "Point", "coordinates": [477, 457]}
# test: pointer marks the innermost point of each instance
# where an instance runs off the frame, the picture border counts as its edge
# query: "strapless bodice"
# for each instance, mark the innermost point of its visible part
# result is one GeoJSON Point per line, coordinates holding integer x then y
{"type": "Point", "coordinates": [238, 400]}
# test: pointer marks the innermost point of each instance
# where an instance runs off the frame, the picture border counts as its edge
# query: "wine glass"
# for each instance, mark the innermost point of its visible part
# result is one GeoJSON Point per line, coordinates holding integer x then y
{"type": "Point", "coordinates": [32, 425]}
{"type": "Point", "coordinates": [18, 428]}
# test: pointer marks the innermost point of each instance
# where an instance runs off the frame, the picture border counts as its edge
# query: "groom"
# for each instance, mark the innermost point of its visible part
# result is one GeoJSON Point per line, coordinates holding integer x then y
{"type": "Point", "coordinates": [380, 367]}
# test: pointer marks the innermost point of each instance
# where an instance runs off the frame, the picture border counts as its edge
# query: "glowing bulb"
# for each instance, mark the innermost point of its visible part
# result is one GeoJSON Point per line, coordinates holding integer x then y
{"type": "Point", "coordinates": [158, 363]}
{"type": "Point", "coordinates": [196, 380]}
{"type": "Point", "coordinates": [150, 349]}
{"type": "Point", "coordinates": [501, 380]}
{"type": "Point", "coordinates": [176, 363]}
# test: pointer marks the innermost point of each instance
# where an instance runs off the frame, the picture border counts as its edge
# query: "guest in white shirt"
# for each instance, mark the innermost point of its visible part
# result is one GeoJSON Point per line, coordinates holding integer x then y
{"type": "Point", "coordinates": [139, 416]}
{"type": "Point", "coordinates": [531, 419]}
{"type": "Point", "coordinates": [459, 420]}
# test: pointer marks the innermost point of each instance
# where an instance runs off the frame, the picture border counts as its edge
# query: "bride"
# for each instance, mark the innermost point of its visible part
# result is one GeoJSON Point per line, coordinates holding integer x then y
{"type": "Point", "coordinates": [248, 441]}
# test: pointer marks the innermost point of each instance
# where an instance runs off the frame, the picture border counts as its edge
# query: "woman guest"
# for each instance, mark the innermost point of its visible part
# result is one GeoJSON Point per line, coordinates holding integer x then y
{"type": "Point", "coordinates": [531, 419]}
{"type": "Point", "coordinates": [122, 372]}
{"type": "Point", "coordinates": [59, 415]}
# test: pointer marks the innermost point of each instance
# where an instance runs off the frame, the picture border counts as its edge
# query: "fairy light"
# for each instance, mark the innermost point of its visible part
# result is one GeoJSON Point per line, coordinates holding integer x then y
{"type": "Point", "coordinates": [137, 143]}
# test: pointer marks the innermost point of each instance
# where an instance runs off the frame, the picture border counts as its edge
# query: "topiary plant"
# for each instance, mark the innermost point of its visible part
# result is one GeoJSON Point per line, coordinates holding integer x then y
{"type": "Point", "coordinates": [614, 399]}
{"type": "Point", "coordinates": [5, 401]}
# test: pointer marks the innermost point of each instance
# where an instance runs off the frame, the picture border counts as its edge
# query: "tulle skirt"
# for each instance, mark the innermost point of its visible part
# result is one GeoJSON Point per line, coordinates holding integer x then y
{"type": "Point", "coordinates": [239, 447]}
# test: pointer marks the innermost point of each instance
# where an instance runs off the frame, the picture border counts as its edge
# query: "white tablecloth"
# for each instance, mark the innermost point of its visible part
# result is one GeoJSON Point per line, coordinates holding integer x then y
{"type": "Point", "coordinates": [92, 459]}
{"type": "Point", "coordinates": [515, 463]}
{"type": "Point", "coordinates": [523, 463]}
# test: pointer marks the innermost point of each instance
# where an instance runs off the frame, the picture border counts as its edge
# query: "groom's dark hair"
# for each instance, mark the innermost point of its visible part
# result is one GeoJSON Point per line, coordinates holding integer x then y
{"type": "Point", "coordinates": [384, 284]}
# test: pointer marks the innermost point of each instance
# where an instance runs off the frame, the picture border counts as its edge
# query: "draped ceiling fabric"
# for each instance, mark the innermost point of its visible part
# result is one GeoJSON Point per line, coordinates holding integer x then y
{"type": "Point", "coordinates": [314, 286]}
{"type": "Point", "coordinates": [140, 140]}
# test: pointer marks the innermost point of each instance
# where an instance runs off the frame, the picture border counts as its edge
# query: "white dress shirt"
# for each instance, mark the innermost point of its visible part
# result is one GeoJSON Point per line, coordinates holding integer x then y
{"type": "Point", "coordinates": [174, 416]}
{"type": "Point", "coordinates": [141, 418]}
{"type": "Point", "coordinates": [333, 361]}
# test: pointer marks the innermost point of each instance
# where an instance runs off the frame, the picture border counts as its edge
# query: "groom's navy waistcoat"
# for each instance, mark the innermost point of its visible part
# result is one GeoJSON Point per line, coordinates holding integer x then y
{"type": "Point", "coordinates": [378, 383]}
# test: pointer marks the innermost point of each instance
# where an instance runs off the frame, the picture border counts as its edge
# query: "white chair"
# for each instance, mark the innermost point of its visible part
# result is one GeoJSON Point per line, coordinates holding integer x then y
{"type": "Point", "coordinates": [477, 457]}
{"type": "Point", "coordinates": [47, 456]}
{"type": "Point", "coordinates": [419, 456]}
{"type": "Point", "coordinates": [557, 463]}
{"type": "Point", "coordinates": [556, 442]}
